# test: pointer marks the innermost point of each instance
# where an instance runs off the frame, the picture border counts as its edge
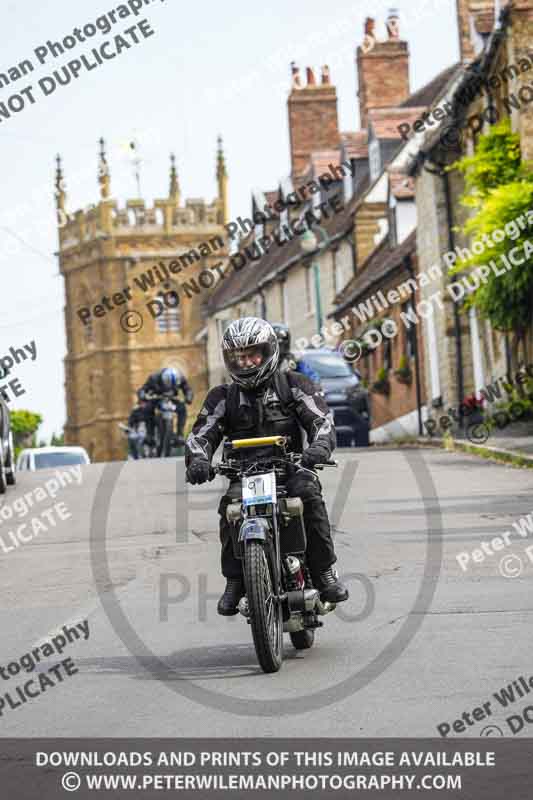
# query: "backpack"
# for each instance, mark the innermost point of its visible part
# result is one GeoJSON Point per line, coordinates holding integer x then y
{"type": "Point", "coordinates": [281, 385]}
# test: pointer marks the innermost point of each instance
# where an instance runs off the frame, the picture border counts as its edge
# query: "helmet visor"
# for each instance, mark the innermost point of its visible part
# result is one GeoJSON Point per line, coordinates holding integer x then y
{"type": "Point", "coordinates": [244, 362]}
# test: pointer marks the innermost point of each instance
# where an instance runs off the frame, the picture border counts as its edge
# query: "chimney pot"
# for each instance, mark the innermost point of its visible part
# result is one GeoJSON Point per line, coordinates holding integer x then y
{"type": "Point", "coordinates": [296, 80]}
{"type": "Point", "coordinates": [325, 74]}
{"type": "Point", "coordinates": [382, 69]}
{"type": "Point", "coordinates": [370, 25]}
{"type": "Point", "coordinates": [310, 76]}
{"type": "Point", "coordinates": [393, 24]}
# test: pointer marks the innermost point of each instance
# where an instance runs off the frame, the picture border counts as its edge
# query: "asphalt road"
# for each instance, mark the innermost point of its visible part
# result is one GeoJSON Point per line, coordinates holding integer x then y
{"type": "Point", "coordinates": [419, 642]}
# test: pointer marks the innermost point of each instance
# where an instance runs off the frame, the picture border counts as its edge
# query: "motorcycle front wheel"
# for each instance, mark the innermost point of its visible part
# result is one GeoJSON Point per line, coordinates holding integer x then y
{"type": "Point", "coordinates": [265, 611]}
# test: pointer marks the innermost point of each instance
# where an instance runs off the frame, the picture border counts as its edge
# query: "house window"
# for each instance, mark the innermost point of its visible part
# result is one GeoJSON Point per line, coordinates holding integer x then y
{"type": "Point", "coordinates": [222, 326]}
{"type": "Point", "coordinates": [387, 354]}
{"type": "Point", "coordinates": [410, 332]}
{"type": "Point", "coordinates": [309, 291]}
{"type": "Point", "coordinates": [259, 306]}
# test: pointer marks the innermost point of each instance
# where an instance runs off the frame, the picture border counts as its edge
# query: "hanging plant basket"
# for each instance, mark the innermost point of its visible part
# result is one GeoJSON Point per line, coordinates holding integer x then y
{"type": "Point", "coordinates": [404, 376]}
{"type": "Point", "coordinates": [381, 386]}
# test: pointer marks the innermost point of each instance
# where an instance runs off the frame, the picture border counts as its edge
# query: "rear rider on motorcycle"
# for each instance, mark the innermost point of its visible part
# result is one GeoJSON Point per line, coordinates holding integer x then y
{"type": "Point", "coordinates": [287, 359]}
{"type": "Point", "coordinates": [263, 401]}
{"type": "Point", "coordinates": [168, 382]}
{"type": "Point", "coordinates": [138, 415]}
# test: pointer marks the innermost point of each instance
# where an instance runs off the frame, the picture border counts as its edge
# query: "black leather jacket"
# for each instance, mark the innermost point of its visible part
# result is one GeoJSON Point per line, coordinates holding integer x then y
{"type": "Point", "coordinates": [154, 385]}
{"type": "Point", "coordinates": [261, 414]}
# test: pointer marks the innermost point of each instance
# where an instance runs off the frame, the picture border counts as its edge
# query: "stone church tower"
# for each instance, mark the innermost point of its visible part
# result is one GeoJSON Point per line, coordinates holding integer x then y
{"type": "Point", "coordinates": [136, 284]}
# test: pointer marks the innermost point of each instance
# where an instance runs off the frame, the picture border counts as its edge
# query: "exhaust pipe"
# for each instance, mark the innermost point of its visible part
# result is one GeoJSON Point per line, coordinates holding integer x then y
{"type": "Point", "coordinates": [324, 607]}
{"type": "Point", "coordinates": [313, 602]}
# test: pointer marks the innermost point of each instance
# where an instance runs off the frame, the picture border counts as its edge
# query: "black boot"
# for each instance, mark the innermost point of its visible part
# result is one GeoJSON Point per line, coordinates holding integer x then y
{"type": "Point", "coordinates": [227, 605]}
{"type": "Point", "coordinates": [330, 587]}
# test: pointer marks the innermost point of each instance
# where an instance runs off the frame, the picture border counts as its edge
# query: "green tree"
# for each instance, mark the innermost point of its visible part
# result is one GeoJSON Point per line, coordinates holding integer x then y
{"type": "Point", "coordinates": [57, 441]}
{"type": "Point", "coordinates": [499, 189]}
{"type": "Point", "coordinates": [24, 424]}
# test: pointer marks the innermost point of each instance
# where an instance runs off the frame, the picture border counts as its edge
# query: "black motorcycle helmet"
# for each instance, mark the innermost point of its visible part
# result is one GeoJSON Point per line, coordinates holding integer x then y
{"type": "Point", "coordinates": [251, 352]}
{"type": "Point", "coordinates": [283, 336]}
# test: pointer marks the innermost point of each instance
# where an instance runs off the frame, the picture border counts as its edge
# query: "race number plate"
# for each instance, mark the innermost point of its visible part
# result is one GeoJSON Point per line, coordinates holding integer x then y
{"type": "Point", "coordinates": [259, 489]}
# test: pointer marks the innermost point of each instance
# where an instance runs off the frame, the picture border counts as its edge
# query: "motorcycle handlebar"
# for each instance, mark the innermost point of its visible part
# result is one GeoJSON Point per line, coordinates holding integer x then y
{"type": "Point", "coordinates": [222, 468]}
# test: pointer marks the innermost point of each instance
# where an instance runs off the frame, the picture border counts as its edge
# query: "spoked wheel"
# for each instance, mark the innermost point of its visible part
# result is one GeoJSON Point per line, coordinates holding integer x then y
{"type": "Point", "coordinates": [303, 640]}
{"type": "Point", "coordinates": [265, 612]}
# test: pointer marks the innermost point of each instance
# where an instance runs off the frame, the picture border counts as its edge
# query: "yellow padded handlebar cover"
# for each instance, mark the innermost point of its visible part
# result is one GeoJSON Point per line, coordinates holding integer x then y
{"type": "Point", "coordinates": [262, 441]}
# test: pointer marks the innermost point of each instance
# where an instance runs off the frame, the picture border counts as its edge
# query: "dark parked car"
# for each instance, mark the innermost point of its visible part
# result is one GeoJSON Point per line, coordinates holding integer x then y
{"type": "Point", "coordinates": [347, 398]}
{"type": "Point", "coordinates": [7, 449]}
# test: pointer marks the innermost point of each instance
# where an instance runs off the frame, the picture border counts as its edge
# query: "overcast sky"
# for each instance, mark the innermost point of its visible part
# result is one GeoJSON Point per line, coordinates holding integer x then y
{"type": "Point", "coordinates": [209, 68]}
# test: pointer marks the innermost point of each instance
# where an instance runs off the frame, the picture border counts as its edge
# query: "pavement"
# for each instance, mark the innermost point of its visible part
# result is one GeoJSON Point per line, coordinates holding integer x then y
{"type": "Point", "coordinates": [513, 443]}
{"type": "Point", "coordinates": [420, 642]}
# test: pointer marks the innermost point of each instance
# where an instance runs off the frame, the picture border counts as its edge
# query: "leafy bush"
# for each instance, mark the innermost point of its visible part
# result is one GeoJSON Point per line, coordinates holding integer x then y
{"type": "Point", "coordinates": [499, 188]}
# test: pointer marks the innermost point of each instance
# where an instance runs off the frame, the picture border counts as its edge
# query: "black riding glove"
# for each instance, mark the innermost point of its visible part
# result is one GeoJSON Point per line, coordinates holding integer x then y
{"type": "Point", "coordinates": [198, 471]}
{"type": "Point", "coordinates": [315, 454]}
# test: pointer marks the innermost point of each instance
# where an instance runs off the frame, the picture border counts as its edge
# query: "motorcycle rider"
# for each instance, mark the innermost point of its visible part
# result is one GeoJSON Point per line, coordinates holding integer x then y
{"type": "Point", "coordinates": [167, 381]}
{"type": "Point", "coordinates": [138, 415]}
{"type": "Point", "coordinates": [252, 406]}
{"type": "Point", "coordinates": [288, 360]}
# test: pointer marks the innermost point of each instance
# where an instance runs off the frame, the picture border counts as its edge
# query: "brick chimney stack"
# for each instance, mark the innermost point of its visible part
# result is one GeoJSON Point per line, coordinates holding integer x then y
{"type": "Point", "coordinates": [475, 20]}
{"type": "Point", "coordinates": [313, 120]}
{"type": "Point", "coordinates": [382, 68]}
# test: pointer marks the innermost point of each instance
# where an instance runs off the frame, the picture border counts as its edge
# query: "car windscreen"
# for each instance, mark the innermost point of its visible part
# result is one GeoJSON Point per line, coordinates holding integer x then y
{"type": "Point", "coordinates": [328, 365]}
{"type": "Point", "coordinates": [44, 460]}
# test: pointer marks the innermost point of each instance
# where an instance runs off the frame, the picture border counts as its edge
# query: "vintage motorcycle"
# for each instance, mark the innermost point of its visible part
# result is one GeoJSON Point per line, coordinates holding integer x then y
{"type": "Point", "coordinates": [165, 412]}
{"type": "Point", "coordinates": [139, 447]}
{"type": "Point", "coordinates": [269, 536]}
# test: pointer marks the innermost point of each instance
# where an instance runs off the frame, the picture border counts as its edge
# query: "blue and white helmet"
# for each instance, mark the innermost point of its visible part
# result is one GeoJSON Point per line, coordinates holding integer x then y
{"type": "Point", "coordinates": [169, 378]}
{"type": "Point", "coordinates": [251, 351]}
